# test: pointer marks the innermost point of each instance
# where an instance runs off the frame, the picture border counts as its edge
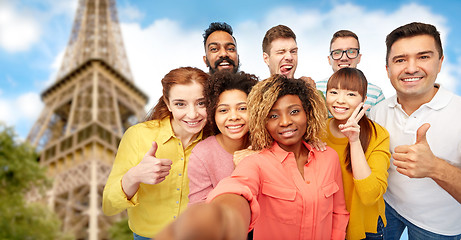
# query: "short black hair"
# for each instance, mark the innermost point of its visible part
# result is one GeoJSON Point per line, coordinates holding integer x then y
{"type": "Point", "coordinates": [217, 26]}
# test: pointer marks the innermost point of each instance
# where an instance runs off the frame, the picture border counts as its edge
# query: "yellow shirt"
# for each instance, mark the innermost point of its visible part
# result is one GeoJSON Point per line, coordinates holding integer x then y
{"type": "Point", "coordinates": [364, 197]}
{"type": "Point", "coordinates": [153, 206]}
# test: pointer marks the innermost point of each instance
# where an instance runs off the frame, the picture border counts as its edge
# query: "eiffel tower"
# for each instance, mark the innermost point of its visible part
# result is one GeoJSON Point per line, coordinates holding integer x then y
{"type": "Point", "coordinates": [87, 109]}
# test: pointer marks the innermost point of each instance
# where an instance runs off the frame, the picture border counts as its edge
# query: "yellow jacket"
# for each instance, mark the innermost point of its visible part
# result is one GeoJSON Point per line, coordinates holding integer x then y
{"type": "Point", "coordinates": [153, 206]}
{"type": "Point", "coordinates": [364, 197]}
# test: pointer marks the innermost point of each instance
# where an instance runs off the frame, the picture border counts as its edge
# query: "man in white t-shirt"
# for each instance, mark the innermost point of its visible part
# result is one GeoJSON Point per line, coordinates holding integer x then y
{"type": "Point", "coordinates": [345, 52]}
{"type": "Point", "coordinates": [424, 184]}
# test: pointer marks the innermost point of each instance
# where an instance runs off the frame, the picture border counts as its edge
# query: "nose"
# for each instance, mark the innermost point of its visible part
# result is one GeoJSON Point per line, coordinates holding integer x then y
{"type": "Point", "coordinates": [285, 120]}
{"type": "Point", "coordinates": [340, 98]}
{"type": "Point", "coordinates": [288, 56]}
{"type": "Point", "coordinates": [344, 57]}
{"type": "Point", "coordinates": [222, 52]}
{"type": "Point", "coordinates": [412, 66]}
{"type": "Point", "coordinates": [192, 112]}
{"type": "Point", "coordinates": [234, 115]}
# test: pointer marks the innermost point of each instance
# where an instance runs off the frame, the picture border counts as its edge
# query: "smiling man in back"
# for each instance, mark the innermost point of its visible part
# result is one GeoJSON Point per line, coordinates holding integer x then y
{"type": "Point", "coordinates": [220, 48]}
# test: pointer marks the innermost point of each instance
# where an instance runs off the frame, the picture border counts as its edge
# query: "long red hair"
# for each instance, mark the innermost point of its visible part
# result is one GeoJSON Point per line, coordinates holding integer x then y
{"type": "Point", "coordinates": [183, 75]}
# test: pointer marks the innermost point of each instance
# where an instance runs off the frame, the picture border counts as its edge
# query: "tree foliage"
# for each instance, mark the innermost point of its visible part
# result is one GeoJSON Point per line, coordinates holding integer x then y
{"type": "Point", "coordinates": [19, 173]}
{"type": "Point", "coordinates": [120, 230]}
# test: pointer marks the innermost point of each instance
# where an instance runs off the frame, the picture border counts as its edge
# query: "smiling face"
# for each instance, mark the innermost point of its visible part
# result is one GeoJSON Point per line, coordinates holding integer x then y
{"type": "Point", "coordinates": [187, 105]}
{"type": "Point", "coordinates": [287, 122]}
{"type": "Point", "coordinates": [231, 115]}
{"type": "Point", "coordinates": [413, 65]}
{"type": "Point", "coordinates": [342, 102]}
{"type": "Point", "coordinates": [221, 52]}
{"type": "Point", "coordinates": [282, 57]}
{"type": "Point", "coordinates": [344, 43]}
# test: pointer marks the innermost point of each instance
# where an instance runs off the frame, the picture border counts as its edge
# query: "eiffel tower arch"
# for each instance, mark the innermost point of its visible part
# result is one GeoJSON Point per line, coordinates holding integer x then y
{"type": "Point", "coordinates": [87, 109]}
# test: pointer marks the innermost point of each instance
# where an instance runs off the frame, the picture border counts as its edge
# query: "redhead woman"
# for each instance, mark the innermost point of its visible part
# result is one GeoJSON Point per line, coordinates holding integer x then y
{"type": "Point", "coordinates": [149, 175]}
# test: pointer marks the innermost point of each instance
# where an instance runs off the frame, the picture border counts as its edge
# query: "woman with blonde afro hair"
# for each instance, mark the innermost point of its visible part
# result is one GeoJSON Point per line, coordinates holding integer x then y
{"type": "Point", "coordinates": [267, 92]}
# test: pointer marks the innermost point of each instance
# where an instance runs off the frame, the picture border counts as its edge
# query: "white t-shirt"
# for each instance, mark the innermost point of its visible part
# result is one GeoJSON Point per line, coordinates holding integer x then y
{"type": "Point", "coordinates": [421, 200]}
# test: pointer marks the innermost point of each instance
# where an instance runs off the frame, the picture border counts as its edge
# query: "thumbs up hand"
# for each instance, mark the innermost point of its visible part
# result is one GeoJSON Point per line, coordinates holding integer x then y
{"type": "Point", "coordinates": [151, 170]}
{"type": "Point", "coordinates": [417, 160]}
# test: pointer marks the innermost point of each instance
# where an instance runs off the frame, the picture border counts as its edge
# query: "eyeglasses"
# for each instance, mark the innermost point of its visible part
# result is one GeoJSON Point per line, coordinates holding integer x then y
{"type": "Point", "coordinates": [350, 53]}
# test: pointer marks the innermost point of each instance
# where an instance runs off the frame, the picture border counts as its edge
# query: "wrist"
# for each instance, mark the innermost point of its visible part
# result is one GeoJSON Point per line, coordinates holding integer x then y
{"type": "Point", "coordinates": [437, 170]}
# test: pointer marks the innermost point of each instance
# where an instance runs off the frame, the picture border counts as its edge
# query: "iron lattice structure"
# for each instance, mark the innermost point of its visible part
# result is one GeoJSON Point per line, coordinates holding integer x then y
{"type": "Point", "coordinates": [87, 109]}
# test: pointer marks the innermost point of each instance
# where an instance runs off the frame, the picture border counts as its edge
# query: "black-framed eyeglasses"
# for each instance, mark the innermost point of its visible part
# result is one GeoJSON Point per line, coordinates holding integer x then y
{"type": "Point", "coordinates": [350, 53]}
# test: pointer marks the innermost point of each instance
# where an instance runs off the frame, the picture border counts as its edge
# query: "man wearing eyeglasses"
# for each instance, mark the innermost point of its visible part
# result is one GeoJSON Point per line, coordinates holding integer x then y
{"type": "Point", "coordinates": [345, 52]}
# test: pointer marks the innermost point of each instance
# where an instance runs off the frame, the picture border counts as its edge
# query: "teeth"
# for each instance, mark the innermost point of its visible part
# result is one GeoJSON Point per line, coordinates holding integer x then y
{"type": "Point", "coordinates": [288, 133]}
{"type": "Point", "coordinates": [224, 64]}
{"type": "Point", "coordinates": [287, 67]}
{"type": "Point", "coordinates": [234, 127]}
{"type": "Point", "coordinates": [192, 123]}
{"type": "Point", "coordinates": [343, 65]}
{"type": "Point", "coordinates": [411, 79]}
{"type": "Point", "coordinates": [340, 109]}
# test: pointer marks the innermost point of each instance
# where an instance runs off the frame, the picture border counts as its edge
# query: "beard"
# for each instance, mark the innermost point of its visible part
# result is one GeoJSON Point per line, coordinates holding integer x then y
{"type": "Point", "coordinates": [214, 68]}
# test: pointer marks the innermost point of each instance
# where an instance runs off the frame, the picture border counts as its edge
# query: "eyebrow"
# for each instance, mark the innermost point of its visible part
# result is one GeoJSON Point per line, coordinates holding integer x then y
{"type": "Point", "coordinates": [419, 53]}
{"type": "Point", "coordinates": [225, 104]}
{"type": "Point", "coordinates": [225, 44]}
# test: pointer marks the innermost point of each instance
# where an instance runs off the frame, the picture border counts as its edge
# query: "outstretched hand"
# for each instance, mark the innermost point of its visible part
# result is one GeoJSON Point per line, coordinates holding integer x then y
{"type": "Point", "coordinates": [205, 221]}
{"type": "Point", "coordinates": [417, 160]}
{"type": "Point", "coordinates": [152, 170]}
{"type": "Point", "coordinates": [351, 128]}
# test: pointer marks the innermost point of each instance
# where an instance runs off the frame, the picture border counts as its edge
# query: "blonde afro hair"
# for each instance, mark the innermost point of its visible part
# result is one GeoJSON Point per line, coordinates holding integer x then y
{"type": "Point", "coordinates": [264, 95]}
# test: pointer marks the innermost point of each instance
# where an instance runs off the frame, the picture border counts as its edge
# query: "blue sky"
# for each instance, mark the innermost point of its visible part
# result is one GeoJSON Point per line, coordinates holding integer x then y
{"type": "Point", "coordinates": [162, 35]}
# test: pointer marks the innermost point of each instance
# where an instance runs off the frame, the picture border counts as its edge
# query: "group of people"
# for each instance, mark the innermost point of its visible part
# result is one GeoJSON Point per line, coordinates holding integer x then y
{"type": "Point", "coordinates": [224, 155]}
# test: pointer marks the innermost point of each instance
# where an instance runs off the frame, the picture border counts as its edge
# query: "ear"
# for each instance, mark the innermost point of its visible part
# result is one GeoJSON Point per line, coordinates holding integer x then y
{"type": "Point", "coordinates": [358, 58]}
{"type": "Point", "coordinates": [204, 60]}
{"type": "Point", "coordinates": [388, 73]}
{"type": "Point", "coordinates": [266, 58]}
{"type": "Point", "coordinates": [167, 104]}
{"type": "Point", "coordinates": [365, 99]}
{"type": "Point", "coordinates": [330, 61]}
{"type": "Point", "coordinates": [440, 63]}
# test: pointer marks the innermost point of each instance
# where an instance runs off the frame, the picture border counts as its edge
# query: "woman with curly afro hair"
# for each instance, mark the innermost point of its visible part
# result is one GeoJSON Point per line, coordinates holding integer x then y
{"type": "Point", "coordinates": [226, 103]}
{"type": "Point", "coordinates": [288, 190]}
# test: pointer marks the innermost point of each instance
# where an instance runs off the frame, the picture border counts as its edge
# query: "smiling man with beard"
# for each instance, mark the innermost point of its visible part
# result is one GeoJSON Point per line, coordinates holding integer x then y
{"type": "Point", "coordinates": [220, 48]}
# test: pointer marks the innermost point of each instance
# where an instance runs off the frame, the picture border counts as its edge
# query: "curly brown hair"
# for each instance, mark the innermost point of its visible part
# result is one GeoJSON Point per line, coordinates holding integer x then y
{"type": "Point", "coordinates": [264, 95]}
{"type": "Point", "coordinates": [220, 82]}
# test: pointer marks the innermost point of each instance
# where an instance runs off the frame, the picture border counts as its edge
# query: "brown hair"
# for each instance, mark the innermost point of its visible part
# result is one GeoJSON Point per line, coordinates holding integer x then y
{"type": "Point", "coordinates": [220, 82]}
{"type": "Point", "coordinates": [411, 30]}
{"type": "Point", "coordinates": [183, 75]}
{"type": "Point", "coordinates": [264, 95]}
{"type": "Point", "coordinates": [279, 31]}
{"type": "Point", "coordinates": [354, 80]}
{"type": "Point", "coordinates": [344, 34]}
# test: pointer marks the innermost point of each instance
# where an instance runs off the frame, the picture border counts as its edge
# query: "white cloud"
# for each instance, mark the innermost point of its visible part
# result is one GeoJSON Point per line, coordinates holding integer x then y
{"type": "Point", "coordinates": [157, 49]}
{"type": "Point", "coordinates": [18, 31]}
{"type": "Point", "coordinates": [23, 110]}
{"type": "Point", "coordinates": [130, 13]}
{"type": "Point", "coordinates": [166, 44]}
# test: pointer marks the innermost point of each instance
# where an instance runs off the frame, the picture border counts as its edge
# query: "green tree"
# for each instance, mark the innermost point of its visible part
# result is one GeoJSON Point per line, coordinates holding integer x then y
{"type": "Point", "coordinates": [19, 173]}
{"type": "Point", "coordinates": [120, 230]}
